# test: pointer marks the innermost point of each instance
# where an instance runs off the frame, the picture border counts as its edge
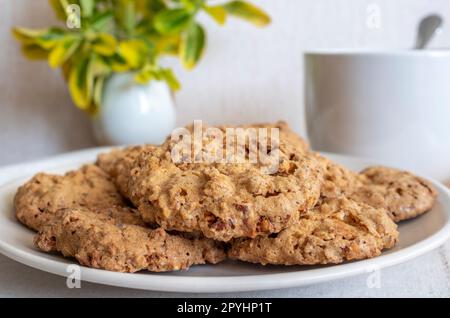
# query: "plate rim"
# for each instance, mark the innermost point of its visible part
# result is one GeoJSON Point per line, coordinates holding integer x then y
{"type": "Point", "coordinates": [218, 284]}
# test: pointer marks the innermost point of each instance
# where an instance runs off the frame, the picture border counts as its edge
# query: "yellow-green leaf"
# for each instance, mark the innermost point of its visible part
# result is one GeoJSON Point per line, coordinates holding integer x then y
{"type": "Point", "coordinates": [99, 67]}
{"type": "Point", "coordinates": [34, 52]}
{"type": "Point", "coordinates": [168, 44]}
{"type": "Point", "coordinates": [192, 46]}
{"type": "Point", "coordinates": [171, 79]}
{"type": "Point", "coordinates": [79, 86]}
{"type": "Point", "coordinates": [45, 38]}
{"type": "Point", "coordinates": [63, 51]}
{"type": "Point", "coordinates": [104, 44]}
{"type": "Point", "coordinates": [57, 6]}
{"type": "Point", "coordinates": [247, 11]}
{"type": "Point", "coordinates": [27, 36]}
{"type": "Point", "coordinates": [98, 90]}
{"type": "Point", "coordinates": [134, 52]}
{"type": "Point", "coordinates": [144, 76]}
{"type": "Point", "coordinates": [118, 63]}
{"type": "Point", "coordinates": [152, 72]}
{"type": "Point", "coordinates": [171, 21]}
{"type": "Point", "coordinates": [50, 37]}
{"type": "Point", "coordinates": [218, 13]}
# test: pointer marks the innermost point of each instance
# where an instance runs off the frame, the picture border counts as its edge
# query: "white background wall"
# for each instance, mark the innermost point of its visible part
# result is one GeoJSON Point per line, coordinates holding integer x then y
{"type": "Point", "coordinates": [247, 74]}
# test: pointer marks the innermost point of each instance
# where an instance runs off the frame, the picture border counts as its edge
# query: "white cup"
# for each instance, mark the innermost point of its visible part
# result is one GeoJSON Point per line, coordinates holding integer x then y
{"type": "Point", "coordinates": [391, 106]}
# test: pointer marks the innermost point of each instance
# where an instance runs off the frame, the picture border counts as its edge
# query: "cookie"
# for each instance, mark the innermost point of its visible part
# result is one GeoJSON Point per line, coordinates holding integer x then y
{"type": "Point", "coordinates": [402, 194]}
{"type": "Point", "coordinates": [87, 187]}
{"type": "Point", "coordinates": [335, 231]}
{"type": "Point", "coordinates": [338, 180]}
{"type": "Point", "coordinates": [226, 200]}
{"type": "Point", "coordinates": [118, 163]}
{"type": "Point", "coordinates": [286, 133]}
{"type": "Point", "coordinates": [101, 240]}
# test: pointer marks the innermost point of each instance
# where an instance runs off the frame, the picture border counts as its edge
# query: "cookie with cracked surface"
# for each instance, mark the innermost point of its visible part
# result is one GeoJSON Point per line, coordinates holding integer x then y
{"type": "Point", "coordinates": [335, 231]}
{"type": "Point", "coordinates": [286, 133]}
{"type": "Point", "coordinates": [118, 163]}
{"type": "Point", "coordinates": [102, 240]}
{"type": "Point", "coordinates": [402, 194]}
{"type": "Point", "coordinates": [225, 201]}
{"type": "Point", "coordinates": [44, 194]}
{"type": "Point", "coordinates": [338, 180]}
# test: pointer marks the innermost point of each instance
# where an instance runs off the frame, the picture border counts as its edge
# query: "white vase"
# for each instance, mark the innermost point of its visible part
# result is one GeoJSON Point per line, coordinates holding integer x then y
{"type": "Point", "coordinates": [131, 113]}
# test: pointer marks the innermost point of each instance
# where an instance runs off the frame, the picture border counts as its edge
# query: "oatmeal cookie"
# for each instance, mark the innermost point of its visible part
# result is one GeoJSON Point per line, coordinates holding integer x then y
{"type": "Point", "coordinates": [101, 240]}
{"type": "Point", "coordinates": [335, 231]}
{"type": "Point", "coordinates": [118, 164]}
{"type": "Point", "coordinates": [402, 194]}
{"type": "Point", "coordinates": [338, 180]}
{"type": "Point", "coordinates": [87, 187]}
{"type": "Point", "coordinates": [286, 133]}
{"type": "Point", "coordinates": [226, 200]}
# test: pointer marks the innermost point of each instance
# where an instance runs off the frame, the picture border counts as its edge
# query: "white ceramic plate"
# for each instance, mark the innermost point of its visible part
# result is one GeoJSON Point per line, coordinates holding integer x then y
{"type": "Point", "coordinates": [417, 237]}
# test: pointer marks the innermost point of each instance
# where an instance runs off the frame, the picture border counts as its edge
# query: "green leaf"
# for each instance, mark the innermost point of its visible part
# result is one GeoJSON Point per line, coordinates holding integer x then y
{"type": "Point", "coordinates": [102, 21]}
{"type": "Point", "coordinates": [104, 44]}
{"type": "Point", "coordinates": [79, 84]}
{"type": "Point", "coordinates": [126, 15]}
{"type": "Point", "coordinates": [218, 13]}
{"type": "Point", "coordinates": [192, 46]}
{"type": "Point", "coordinates": [134, 52]}
{"type": "Point", "coordinates": [51, 37]}
{"type": "Point", "coordinates": [171, 21]}
{"type": "Point", "coordinates": [247, 12]}
{"type": "Point", "coordinates": [150, 8]}
{"type": "Point", "coordinates": [87, 7]}
{"type": "Point", "coordinates": [63, 51]}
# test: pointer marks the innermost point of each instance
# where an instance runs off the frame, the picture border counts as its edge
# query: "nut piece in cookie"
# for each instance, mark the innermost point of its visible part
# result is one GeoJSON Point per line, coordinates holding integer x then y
{"type": "Point", "coordinates": [44, 194]}
{"type": "Point", "coordinates": [102, 240]}
{"type": "Point", "coordinates": [402, 194]}
{"type": "Point", "coordinates": [335, 231]}
{"type": "Point", "coordinates": [225, 200]}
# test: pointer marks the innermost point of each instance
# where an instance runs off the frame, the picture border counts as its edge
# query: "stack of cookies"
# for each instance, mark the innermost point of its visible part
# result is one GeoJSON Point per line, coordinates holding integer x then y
{"type": "Point", "coordinates": [139, 209]}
